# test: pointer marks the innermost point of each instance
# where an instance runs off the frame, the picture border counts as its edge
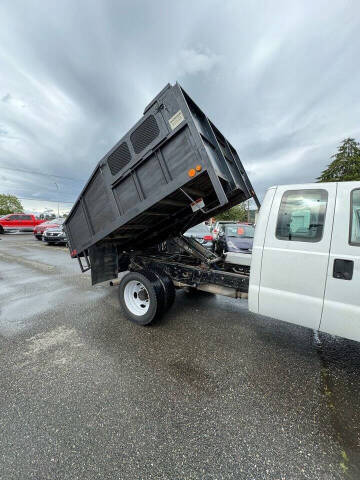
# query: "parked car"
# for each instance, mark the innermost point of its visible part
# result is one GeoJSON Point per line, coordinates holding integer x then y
{"type": "Point", "coordinates": [40, 229]}
{"type": "Point", "coordinates": [19, 222]}
{"type": "Point", "coordinates": [54, 235]}
{"type": "Point", "coordinates": [216, 227]}
{"type": "Point", "coordinates": [202, 234]}
{"type": "Point", "coordinates": [235, 237]}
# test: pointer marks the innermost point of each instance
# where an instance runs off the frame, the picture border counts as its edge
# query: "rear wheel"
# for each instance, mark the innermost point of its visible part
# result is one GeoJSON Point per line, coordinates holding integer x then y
{"type": "Point", "coordinates": [142, 297]}
{"type": "Point", "coordinates": [168, 286]}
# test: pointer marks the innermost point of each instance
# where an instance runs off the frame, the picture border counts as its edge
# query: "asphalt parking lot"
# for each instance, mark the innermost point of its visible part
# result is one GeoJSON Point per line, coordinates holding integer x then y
{"type": "Point", "coordinates": [211, 392]}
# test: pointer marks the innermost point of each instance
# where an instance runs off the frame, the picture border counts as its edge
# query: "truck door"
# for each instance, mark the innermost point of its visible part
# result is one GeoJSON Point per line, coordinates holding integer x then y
{"type": "Point", "coordinates": [21, 224]}
{"type": "Point", "coordinates": [27, 222]}
{"type": "Point", "coordinates": [341, 314]}
{"type": "Point", "coordinates": [296, 253]}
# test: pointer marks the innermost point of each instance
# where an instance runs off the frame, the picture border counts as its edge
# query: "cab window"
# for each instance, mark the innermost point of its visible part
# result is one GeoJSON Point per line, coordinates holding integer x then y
{"type": "Point", "coordinates": [302, 215]}
{"type": "Point", "coordinates": [355, 218]}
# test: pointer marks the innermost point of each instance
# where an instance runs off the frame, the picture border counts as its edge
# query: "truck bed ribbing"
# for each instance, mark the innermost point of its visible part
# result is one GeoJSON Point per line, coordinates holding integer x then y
{"type": "Point", "coordinates": [172, 170]}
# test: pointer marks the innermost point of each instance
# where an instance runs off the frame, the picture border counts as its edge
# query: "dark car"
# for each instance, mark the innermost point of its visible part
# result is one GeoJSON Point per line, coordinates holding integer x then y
{"type": "Point", "coordinates": [236, 237]}
{"type": "Point", "coordinates": [202, 234]}
{"type": "Point", "coordinates": [54, 235]}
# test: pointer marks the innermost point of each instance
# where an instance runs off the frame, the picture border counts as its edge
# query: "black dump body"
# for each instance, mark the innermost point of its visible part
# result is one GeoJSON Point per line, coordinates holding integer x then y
{"type": "Point", "coordinates": [141, 192]}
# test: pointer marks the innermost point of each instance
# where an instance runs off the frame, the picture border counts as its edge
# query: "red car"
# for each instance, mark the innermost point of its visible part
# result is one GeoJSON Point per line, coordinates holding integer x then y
{"type": "Point", "coordinates": [18, 222]}
{"type": "Point", "coordinates": [40, 229]}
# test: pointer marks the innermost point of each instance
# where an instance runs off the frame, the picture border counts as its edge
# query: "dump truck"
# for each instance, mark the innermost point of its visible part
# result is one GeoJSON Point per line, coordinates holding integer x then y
{"type": "Point", "coordinates": [175, 169]}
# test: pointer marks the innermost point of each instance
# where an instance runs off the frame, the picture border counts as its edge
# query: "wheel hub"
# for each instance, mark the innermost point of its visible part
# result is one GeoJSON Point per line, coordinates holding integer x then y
{"type": "Point", "coordinates": [136, 297]}
{"type": "Point", "coordinates": [143, 295]}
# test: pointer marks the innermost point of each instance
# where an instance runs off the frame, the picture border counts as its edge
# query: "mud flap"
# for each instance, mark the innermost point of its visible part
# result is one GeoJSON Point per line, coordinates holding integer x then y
{"type": "Point", "coordinates": [104, 263]}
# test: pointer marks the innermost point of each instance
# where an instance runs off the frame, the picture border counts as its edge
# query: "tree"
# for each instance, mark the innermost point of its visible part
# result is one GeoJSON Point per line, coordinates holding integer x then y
{"type": "Point", "coordinates": [237, 214]}
{"type": "Point", "coordinates": [10, 204]}
{"type": "Point", "coordinates": [346, 164]}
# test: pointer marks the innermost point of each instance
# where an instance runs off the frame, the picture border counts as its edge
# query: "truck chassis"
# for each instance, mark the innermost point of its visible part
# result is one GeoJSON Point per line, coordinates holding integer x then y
{"type": "Point", "coordinates": [178, 263]}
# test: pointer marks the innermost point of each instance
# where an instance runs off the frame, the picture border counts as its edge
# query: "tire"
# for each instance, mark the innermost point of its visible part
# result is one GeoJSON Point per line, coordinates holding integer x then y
{"type": "Point", "coordinates": [143, 309]}
{"type": "Point", "coordinates": [169, 289]}
{"type": "Point", "coordinates": [38, 238]}
{"type": "Point", "coordinates": [1, 230]}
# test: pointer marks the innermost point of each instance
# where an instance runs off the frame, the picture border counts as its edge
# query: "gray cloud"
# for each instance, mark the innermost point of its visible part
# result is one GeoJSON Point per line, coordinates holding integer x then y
{"type": "Point", "coordinates": [279, 78]}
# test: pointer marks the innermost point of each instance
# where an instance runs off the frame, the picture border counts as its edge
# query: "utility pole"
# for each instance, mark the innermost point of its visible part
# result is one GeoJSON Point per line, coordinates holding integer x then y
{"type": "Point", "coordinates": [57, 186]}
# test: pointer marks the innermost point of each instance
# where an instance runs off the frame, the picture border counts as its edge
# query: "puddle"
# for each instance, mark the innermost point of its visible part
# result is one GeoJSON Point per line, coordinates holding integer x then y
{"type": "Point", "coordinates": [44, 267]}
{"type": "Point", "coordinates": [14, 314]}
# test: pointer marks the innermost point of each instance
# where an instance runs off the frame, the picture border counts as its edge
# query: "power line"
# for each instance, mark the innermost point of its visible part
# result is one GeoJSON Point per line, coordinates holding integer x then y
{"type": "Point", "coordinates": [39, 173]}
{"type": "Point", "coordinates": [43, 200]}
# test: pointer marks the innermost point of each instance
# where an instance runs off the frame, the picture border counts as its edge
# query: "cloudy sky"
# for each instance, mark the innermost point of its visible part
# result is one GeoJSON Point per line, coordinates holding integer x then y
{"type": "Point", "coordinates": [280, 79]}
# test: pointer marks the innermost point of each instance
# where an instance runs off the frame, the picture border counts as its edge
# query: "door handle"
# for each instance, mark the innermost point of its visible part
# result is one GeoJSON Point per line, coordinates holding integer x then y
{"type": "Point", "coordinates": [343, 269]}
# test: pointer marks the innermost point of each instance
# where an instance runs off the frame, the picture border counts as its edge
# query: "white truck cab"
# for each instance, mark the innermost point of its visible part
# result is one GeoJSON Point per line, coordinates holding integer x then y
{"type": "Point", "coordinates": [305, 265]}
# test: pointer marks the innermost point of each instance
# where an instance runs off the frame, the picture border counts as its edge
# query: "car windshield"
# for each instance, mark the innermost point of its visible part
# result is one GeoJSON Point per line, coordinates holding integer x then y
{"type": "Point", "coordinates": [55, 221]}
{"type": "Point", "coordinates": [199, 230]}
{"type": "Point", "coordinates": [244, 231]}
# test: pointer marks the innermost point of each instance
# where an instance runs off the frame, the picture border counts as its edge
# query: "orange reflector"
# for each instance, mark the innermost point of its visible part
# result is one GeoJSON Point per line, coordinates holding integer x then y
{"type": "Point", "coordinates": [192, 172]}
{"type": "Point", "coordinates": [198, 168]}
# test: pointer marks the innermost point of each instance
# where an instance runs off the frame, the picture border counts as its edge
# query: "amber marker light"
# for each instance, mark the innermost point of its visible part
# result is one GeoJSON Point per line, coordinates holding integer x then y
{"type": "Point", "coordinates": [192, 172]}
{"type": "Point", "coordinates": [198, 168]}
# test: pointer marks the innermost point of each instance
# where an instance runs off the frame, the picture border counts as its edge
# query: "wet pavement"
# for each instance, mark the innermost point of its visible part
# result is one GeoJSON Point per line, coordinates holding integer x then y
{"type": "Point", "coordinates": [210, 392]}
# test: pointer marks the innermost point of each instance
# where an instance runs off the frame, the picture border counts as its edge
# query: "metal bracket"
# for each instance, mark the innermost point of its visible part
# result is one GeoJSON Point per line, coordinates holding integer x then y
{"type": "Point", "coordinates": [194, 248]}
{"type": "Point", "coordinates": [82, 267]}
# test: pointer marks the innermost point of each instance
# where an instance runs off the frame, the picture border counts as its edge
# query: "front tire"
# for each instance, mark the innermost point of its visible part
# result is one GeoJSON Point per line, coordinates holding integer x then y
{"type": "Point", "coordinates": [142, 297]}
{"type": "Point", "coordinates": [1, 230]}
{"type": "Point", "coordinates": [38, 238]}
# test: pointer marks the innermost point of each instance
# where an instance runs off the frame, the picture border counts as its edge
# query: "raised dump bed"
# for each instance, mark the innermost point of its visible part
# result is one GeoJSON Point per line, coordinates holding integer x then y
{"type": "Point", "coordinates": [172, 170]}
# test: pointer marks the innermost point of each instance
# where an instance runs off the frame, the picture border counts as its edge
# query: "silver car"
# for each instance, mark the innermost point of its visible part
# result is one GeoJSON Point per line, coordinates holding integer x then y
{"type": "Point", "coordinates": [202, 234]}
{"type": "Point", "coordinates": [54, 235]}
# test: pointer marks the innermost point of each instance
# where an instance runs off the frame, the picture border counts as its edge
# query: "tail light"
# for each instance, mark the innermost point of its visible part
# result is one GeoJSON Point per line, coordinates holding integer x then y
{"type": "Point", "coordinates": [208, 238]}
